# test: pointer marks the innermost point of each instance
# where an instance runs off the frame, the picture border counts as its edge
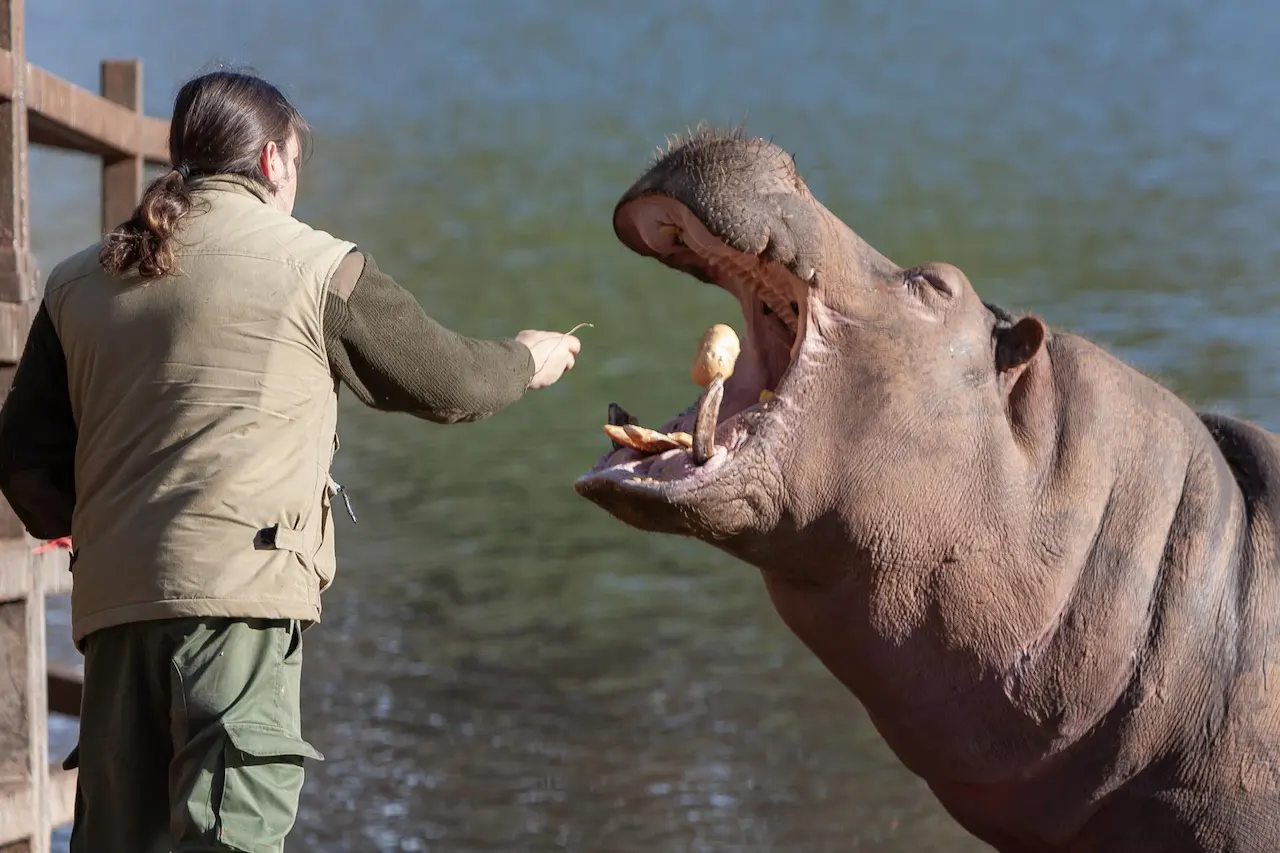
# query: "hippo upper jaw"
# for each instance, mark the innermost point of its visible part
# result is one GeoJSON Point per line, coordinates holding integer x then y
{"type": "Point", "coordinates": [770, 261]}
{"type": "Point", "coordinates": [670, 492]}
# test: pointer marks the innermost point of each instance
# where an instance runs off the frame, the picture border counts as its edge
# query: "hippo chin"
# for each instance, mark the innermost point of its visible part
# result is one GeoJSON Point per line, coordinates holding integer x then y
{"type": "Point", "coordinates": [1053, 585]}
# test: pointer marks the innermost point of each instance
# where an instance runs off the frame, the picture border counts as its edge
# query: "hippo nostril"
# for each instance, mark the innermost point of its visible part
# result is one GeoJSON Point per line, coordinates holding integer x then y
{"type": "Point", "coordinates": [795, 308]}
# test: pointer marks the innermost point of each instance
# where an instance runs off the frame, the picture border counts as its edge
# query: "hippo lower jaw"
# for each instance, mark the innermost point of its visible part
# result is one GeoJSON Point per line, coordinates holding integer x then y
{"type": "Point", "coordinates": [652, 491]}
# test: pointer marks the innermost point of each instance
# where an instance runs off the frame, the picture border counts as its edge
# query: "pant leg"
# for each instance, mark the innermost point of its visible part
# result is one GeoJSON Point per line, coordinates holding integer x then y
{"type": "Point", "coordinates": [237, 770]}
{"type": "Point", "coordinates": [123, 754]}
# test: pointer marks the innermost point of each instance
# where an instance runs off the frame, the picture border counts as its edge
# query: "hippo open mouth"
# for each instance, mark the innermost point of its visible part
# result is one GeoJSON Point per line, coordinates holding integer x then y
{"type": "Point", "coordinates": [774, 308]}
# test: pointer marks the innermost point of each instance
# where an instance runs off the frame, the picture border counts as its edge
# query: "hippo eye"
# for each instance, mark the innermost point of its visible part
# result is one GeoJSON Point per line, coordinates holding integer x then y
{"type": "Point", "coordinates": [918, 279]}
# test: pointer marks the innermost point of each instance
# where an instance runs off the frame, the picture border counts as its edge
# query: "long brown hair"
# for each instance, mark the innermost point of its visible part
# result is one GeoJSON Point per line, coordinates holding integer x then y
{"type": "Point", "coordinates": [221, 122]}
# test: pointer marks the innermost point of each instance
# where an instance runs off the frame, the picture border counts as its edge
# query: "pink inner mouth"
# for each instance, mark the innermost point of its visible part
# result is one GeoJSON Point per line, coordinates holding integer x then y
{"type": "Point", "coordinates": [774, 303]}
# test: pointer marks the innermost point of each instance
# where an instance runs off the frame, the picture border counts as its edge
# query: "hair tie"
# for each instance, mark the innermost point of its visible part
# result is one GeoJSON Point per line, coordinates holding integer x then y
{"type": "Point", "coordinates": [183, 170]}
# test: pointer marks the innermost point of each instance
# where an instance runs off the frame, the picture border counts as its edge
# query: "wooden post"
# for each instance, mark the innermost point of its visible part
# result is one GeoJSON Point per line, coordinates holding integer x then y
{"type": "Point", "coordinates": [122, 177]}
{"type": "Point", "coordinates": [17, 276]}
{"type": "Point", "coordinates": [24, 746]}
{"type": "Point", "coordinates": [24, 762]}
{"type": "Point", "coordinates": [16, 282]}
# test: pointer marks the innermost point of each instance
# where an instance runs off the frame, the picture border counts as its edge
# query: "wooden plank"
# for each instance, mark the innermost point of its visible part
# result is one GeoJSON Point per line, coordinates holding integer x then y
{"type": "Point", "coordinates": [24, 747]}
{"type": "Point", "coordinates": [62, 795]}
{"type": "Point", "coordinates": [38, 712]}
{"type": "Point", "coordinates": [51, 566]}
{"type": "Point", "coordinates": [122, 177]}
{"type": "Point", "coordinates": [15, 321]}
{"type": "Point", "coordinates": [15, 574]}
{"type": "Point", "coordinates": [64, 115]}
{"type": "Point", "coordinates": [15, 738]}
{"type": "Point", "coordinates": [15, 813]}
{"type": "Point", "coordinates": [67, 116]}
{"type": "Point", "coordinates": [57, 576]}
{"type": "Point", "coordinates": [66, 686]}
{"type": "Point", "coordinates": [16, 807]}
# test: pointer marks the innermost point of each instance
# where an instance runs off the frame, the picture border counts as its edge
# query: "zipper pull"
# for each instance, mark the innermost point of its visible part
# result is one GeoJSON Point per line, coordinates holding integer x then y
{"type": "Point", "coordinates": [341, 491]}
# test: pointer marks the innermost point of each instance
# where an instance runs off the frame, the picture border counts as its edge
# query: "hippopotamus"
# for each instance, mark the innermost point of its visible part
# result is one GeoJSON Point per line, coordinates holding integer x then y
{"type": "Point", "coordinates": [1053, 584]}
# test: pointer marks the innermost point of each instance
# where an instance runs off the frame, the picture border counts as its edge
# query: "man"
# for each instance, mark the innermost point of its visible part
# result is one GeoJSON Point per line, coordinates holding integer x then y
{"type": "Point", "coordinates": [175, 413]}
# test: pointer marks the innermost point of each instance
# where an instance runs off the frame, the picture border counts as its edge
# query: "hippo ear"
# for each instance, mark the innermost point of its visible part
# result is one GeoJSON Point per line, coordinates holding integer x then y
{"type": "Point", "coordinates": [1018, 344]}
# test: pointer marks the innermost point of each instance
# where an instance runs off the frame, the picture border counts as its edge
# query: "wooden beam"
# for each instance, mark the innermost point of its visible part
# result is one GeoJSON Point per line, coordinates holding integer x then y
{"type": "Point", "coordinates": [53, 566]}
{"type": "Point", "coordinates": [61, 798]}
{"type": "Point", "coordinates": [24, 744]}
{"type": "Point", "coordinates": [121, 178]}
{"type": "Point", "coordinates": [38, 712]}
{"type": "Point", "coordinates": [64, 115]}
{"type": "Point", "coordinates": [16, 805]}
{"type": "Point", "coordinates": [15, 581]}
{"type": "Point", "coordinates": [15, 321]}
{"type": "Point", "coordinates": [14, 736]}
{"type": "Point", "coordinates": [66, 686]}
{"type": "Point", "coordinates": [15, 813]}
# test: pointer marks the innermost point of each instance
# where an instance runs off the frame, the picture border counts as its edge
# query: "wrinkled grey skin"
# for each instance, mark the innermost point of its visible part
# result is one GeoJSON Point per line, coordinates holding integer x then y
{"type": "Point", "coordinates": [1052, 584]}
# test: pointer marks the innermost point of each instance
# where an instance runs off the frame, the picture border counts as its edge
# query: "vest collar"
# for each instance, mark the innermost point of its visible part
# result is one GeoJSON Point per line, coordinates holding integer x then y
{"type": "Point", "coordinates": [233, 184]}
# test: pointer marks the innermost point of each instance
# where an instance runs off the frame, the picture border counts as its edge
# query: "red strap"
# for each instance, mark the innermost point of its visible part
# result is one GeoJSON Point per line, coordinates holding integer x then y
{"type": "Point", "coordinates": [64, 543]}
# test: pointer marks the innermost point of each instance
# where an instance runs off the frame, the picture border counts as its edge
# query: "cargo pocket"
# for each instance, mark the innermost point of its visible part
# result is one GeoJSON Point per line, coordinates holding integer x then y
{"type": "Point", "coordinates": [260, 786]}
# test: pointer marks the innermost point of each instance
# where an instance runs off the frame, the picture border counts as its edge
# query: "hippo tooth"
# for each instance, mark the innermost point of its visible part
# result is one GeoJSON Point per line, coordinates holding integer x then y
{"type": "Point", "coordinates": [618, 417]}
{"type": "Point", "coordinates": [704, 424]}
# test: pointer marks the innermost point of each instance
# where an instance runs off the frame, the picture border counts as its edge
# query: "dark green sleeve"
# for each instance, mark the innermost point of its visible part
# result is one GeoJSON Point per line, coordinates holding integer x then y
{"type": "Point", "coordinates": [38, 436]}
{"type": "Point", "coordinates": [395, 358]}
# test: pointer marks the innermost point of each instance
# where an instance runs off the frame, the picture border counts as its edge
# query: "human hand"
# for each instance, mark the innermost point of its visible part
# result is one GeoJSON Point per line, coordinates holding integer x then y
{"type": "Point", "coordinates": [554, 354]}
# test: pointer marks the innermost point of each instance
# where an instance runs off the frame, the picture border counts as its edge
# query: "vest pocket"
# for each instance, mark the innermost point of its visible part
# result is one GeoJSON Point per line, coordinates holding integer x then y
{"type": "Point", "coordinates": [277, 538]}
{"type": "Point", "coordinates": [309, 548]}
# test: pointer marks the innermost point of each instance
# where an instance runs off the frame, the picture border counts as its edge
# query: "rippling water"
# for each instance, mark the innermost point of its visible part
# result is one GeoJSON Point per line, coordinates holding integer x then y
{"type": "Point", "coordinates": [501, 666]}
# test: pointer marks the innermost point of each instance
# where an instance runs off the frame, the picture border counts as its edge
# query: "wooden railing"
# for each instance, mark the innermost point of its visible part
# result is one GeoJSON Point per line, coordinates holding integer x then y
{"type": "Point", "coordinates": [38, 108]}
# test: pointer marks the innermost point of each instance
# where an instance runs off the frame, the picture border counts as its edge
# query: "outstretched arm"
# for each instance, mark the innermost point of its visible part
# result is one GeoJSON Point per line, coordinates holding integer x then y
{"type": "Point", "coordinates": [395, 358]}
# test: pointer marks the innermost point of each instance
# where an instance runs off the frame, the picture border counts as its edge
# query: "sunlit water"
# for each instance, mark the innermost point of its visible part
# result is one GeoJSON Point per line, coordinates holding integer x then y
{"type": "Point", "coordinates": [501, 666]}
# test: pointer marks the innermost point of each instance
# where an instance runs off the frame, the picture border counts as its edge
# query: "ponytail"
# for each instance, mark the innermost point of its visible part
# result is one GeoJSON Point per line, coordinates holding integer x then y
{"type": "Point", "coordinates": [146, 239]}
{"type": "Point", "coordinates": [221, 122]}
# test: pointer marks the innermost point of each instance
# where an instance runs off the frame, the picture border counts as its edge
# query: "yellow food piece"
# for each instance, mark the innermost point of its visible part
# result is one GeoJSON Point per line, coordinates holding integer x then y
{"type": "Point", "coordinates": [766, 394]}
{"type": "Point", "coordinates": [717, 352]}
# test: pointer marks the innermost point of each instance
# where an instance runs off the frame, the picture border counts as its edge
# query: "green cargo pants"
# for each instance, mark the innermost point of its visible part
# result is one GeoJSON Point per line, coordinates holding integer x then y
{"type": "Point", "coordinates": [190, 737]}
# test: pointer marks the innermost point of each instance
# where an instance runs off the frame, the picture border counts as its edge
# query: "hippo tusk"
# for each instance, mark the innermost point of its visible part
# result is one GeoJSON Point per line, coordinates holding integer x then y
{"type": "Point", "coordinates": [717, 352]}
{"type": "Point", "coordinates": [618, 417]}
{"type": "Point", "coordinates": [704, 424]}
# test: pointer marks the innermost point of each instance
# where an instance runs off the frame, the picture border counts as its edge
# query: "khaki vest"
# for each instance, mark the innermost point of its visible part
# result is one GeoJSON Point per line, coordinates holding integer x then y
{"type": "Point", "coordinates": [207, 414]}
